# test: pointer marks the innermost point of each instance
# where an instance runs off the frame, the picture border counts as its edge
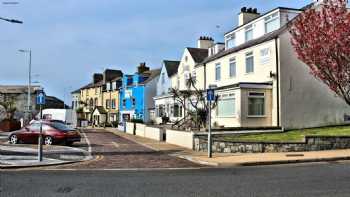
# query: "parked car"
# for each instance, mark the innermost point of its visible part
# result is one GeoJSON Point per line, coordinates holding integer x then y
{"type": "Point", "coordinates": [54, 132]}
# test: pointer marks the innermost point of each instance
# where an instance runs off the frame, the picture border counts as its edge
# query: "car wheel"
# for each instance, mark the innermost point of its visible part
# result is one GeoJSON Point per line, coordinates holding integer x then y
{"type": "Point", "coordinates": [13, 139]}
{"type": "Point", "coordinates": [48, 140]}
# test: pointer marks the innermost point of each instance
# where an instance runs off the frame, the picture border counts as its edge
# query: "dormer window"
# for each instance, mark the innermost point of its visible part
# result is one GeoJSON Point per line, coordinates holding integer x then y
{"type": "Point", "coordinates": [272, 22]}
{"type": "Point", "coordinates": [249, 33]}
{"type": "Point", "coordinates": [231, 41]}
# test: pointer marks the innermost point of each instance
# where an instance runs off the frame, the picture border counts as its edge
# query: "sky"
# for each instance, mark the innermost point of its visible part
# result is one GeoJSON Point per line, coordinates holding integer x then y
{"type": "Point", "coordinates": [72, 39]}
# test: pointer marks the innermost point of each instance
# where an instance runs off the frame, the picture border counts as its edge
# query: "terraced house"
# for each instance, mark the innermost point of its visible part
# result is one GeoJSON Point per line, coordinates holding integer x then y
{"type": "Point", "coordinates": [136, 94]}
{"type": "Point", "coordinates": [261, 82]}
{"type": "Point", "coordinates": [99, 99]}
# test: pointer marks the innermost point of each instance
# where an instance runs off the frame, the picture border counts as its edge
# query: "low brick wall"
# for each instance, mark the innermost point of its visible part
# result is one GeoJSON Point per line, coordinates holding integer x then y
{"type": "Point", "coordinates": [312, 143]}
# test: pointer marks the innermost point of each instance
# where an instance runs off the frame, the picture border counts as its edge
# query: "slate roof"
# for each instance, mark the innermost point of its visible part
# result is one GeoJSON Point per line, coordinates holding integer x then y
{"type": "Point", "coordinates": [151, 74]}
{"type": "Point", "coordinates": [266, 13]}
{"type": "Point", "coordinates": [17, 89]}
{"type": "Point", "coordinates": [76, 91]}
{"type": "Point", "coordinates": [198, 54]}
{"type": "Point", "coordinates": [171, 67]}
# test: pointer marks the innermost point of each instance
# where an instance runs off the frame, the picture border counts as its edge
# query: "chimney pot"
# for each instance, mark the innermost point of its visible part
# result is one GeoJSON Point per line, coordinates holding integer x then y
{"type": "Point", "coordinates": [250, 10]}
{"type": "Point", "coordinates": [244, 9]}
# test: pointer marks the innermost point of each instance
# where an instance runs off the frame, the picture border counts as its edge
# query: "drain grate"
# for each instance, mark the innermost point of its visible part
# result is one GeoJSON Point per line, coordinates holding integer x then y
{"type": "Point", "coordinates": [294, 155]}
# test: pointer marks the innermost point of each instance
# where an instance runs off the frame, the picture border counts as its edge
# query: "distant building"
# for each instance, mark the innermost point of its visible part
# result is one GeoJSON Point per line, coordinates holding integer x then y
{"type": "Point", "coordinates": [137, 92]}
{"type": "Point", "coordinates": [76, 99]}
{"type": "Point", "coordinates": [19, 94]}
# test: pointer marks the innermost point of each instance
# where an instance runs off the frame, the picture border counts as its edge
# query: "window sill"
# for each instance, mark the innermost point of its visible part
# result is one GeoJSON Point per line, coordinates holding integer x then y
{"type": "Point", "coordinates": [252, 116]}
{"type": "Point", "coordinates": [250, 73]}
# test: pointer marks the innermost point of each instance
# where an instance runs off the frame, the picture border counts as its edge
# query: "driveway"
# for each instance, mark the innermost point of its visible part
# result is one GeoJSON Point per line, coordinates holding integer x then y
{"type": "Point", "coordinates": [113, 152]}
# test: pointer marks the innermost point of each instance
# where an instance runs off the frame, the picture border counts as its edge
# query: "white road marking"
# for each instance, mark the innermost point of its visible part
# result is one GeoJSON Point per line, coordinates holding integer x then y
{"type": "Point", "coordinates": [89, 146]}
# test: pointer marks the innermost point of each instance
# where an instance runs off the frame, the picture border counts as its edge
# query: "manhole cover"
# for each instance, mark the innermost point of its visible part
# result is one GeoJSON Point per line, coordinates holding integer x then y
{"type": "Point", "coordinates": [64, 190]}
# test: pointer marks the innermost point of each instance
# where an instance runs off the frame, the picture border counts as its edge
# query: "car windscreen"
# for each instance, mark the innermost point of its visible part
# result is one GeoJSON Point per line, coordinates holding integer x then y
{"type": "Point", "coordinates": [60, 126]}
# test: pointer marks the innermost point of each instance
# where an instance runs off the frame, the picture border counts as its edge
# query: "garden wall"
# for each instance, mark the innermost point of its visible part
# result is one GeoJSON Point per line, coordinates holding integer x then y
{"type": "Point", "coordinates": [129, 127]}
{"type": "Point", "coordinates": [180, 138]}
{"type": "Point", "coordinates": [140, 130]}
{"type": "Point", "coordinates": [312, 143]}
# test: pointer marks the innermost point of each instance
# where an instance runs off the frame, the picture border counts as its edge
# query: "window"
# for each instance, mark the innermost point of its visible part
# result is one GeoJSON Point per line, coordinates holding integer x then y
{"type": "Point", "coordinates": [176, 110]}
{"type": "Point", "coordinates": [113, 103]}
{"type": "Point", "coordinates": [272, 22]}
{"type": "Point", "coordinates": [231, 41]}
{"type": "Point", "coordinates": [249, 33]}
{"type": "Point", "coordinates": [124, 103]}
{"type": "Point", "coordinates": [249, 62]}
{"type": "Point", "coordinates": [217, 72]}
{"type": "Point", "coordinates": [96, 101]}
{"type": "Point", "coordinates": [161, 111]}
{"type": "Point", "coordinates": [114, 85]}
{"type": "Point", "coordinates": [163, 78]}
{"type": "Point", "coordinates": [108, 86]}
{"type": "Point", "coordinates": [108, 103]}
{"type": "Point", "coordinates": [256, 104]}
{"type": "Point", "coordinates": [194, 76]}
{"type": "Point", "coordinates": [264, 55]}
{"type": "Point", "coordinates": [233, 67]}
{"type": "Point", "coordinates": [226, 105]}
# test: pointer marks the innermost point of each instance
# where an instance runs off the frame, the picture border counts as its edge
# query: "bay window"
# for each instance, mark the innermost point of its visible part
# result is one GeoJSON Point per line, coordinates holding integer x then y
{"type": "Point", "coordinates": [226, 106]}
{"type": "Point", "coordinates": [256, 104]}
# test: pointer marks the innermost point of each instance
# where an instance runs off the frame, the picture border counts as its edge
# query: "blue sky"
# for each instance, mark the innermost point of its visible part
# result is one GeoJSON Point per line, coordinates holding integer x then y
{"type": "Point", "coordinates": [71, 39]}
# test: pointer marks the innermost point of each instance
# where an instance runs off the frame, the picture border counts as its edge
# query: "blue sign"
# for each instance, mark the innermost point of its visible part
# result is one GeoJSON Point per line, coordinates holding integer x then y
{"type": "Point", "coordinates": [210, 95]}
{"type": "Point", "coordinates": [40, 98]}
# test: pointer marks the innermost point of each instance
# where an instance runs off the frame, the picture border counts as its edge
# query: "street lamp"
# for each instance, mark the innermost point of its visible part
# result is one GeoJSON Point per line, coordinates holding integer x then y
{"type": "Point", "coordinates": [29, 82]}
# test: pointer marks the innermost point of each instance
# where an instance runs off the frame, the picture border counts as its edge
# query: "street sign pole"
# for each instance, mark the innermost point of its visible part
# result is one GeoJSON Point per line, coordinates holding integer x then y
{"type": "Point", "coordinates": [40, 141]}
{"type": "Point", "coordinates": [209, 132]}
{"type": "Point", "coordinates": [40, 100]}
{"type": "Point", "coordinates": [210, 98]}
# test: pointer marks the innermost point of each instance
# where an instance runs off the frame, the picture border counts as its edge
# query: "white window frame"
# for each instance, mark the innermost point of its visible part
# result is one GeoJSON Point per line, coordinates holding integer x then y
{"type": "Point", "coordinates": [217, 65]}
{"type": "Point", "coordinates": [231, 37]}
{"type": "Point", "coordinates": [262, 95]}
{"type": "Point", "coordinates": [265, 55]}
{"type": "Point", "coordinates": [232, 60]}
{"type": "Point", "coordinates": [247, 29]}
{"type": "Point", "coordinates": [249, 55]}
{"type": "Point", "coordinates": [227, 96]}
{"type": "Point", "coordinates": [270, 18]}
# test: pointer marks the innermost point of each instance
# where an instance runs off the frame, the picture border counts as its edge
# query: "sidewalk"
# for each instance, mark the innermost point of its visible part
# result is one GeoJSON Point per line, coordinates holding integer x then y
{"type": "Point", "coordinates": [25, 155]}
{"type": "Point", "coordinates": [239, 159]}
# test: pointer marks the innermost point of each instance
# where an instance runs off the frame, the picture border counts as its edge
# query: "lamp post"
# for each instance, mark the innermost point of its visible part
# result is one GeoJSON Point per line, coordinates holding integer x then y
{"type": "Point", "coordinates": [29, 83]}
{"type": "Point", "coordinates": [11, 20]}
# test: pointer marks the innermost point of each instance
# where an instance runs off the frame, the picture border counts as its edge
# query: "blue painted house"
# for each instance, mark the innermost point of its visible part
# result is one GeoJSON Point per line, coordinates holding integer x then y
{"type": "Point", "coordinates": [137, 92]}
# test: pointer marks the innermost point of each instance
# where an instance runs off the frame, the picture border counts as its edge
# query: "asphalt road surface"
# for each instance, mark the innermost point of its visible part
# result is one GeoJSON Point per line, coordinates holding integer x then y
{"type": "Point", "coordinates": [321, 180]}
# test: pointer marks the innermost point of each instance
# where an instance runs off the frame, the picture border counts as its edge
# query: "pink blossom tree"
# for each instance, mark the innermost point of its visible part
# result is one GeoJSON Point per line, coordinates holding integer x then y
{"type": "Point", "coordinates": [321, 39]}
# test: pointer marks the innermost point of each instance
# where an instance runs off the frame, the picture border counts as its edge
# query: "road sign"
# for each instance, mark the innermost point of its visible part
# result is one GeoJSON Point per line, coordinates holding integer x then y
{"type": "Point", "coordinates": [40, 98]}
{"type": "Point", "coordinates": [210, 95]}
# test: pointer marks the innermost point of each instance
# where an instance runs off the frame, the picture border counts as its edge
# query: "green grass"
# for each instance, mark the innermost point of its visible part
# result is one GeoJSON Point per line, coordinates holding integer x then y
{"type": "Point", "coordinates": [290, 136]}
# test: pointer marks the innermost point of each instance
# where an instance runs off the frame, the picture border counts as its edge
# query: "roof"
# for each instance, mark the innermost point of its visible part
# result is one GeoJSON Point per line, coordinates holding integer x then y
{"type": "Point", "coordinates": [198, 54]}
{"type": "Point", "coordinates": [100, 109]}
{"type": "Point", "coordinates": [263, 15]}
{"type": "Point", "coordinates": [151, 75]}
{"type": "Point", "coordinates": [264, 38]}
{"type": "Point", "coordinates": [117, 79]}
{"type": "Point", "coordinates": [17, 89]}
{"type": "Point", "coordinates": [76, 91]}
{"type": "Point", "coordinates": [171, 67]}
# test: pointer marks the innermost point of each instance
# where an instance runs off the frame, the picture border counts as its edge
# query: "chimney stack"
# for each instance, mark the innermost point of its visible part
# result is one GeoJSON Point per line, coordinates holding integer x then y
{"type": "Point", "coordinates": [205, 42]}
{"type": "Point", "coordinates": [142, 68]}
{"type": "Point", "coordinates": [247, 14]}
{"type": "Point", "coordinates": [97, 77]}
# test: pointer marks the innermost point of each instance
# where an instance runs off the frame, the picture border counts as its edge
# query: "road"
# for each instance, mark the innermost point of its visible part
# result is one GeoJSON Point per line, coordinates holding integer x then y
{"type": "Point", "coordinates": [112, 151]}
{"type": "Point", "coordinates": [321, 180]}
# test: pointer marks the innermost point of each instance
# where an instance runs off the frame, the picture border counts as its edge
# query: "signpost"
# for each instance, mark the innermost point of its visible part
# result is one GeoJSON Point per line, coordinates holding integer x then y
{"type": "Point", "coordinates": [40, 100]}
{"type": "Point", "coordinates": [210, 98]}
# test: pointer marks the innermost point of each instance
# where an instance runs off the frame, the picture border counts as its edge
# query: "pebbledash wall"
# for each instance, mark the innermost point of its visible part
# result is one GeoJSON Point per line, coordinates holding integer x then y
{"type": "Point", "coordinates": [312, 143]}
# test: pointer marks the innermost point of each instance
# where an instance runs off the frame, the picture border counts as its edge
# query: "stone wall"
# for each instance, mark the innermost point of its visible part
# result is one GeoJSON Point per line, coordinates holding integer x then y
{"type": "Point", "coordinates": [312, 143]}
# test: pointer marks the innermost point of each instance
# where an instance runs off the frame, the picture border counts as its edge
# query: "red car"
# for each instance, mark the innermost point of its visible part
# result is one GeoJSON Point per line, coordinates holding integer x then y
{"type": "Point", "coordinates": [53, 133]}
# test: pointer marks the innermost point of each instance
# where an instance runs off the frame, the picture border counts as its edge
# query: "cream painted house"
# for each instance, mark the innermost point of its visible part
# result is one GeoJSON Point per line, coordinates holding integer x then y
{"type": "Point", "coordinates": [174, 75]}
{"type": "Point", "coordinates": [260, 81]}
